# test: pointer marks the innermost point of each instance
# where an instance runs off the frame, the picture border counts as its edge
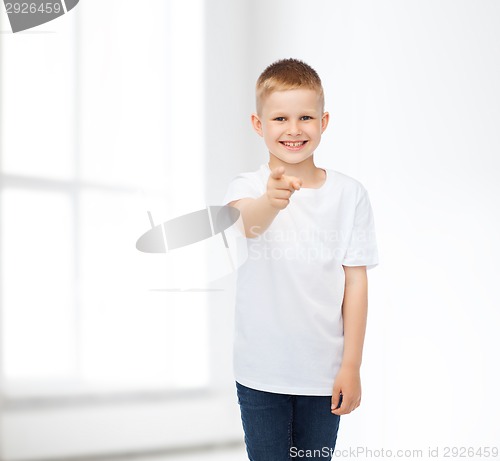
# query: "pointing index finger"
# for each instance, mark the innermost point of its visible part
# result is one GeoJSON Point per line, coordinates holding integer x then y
{"type": "Point", "coordinates": [296, 183]}
{"type": "Point", "coordinates": [278, 172]}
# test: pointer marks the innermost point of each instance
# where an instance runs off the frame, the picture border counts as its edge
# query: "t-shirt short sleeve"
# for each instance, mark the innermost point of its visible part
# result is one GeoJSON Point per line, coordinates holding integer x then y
{"type": "Point", "coordinates": [362, 248]}
{"type": "Point", "coordinates": [241, 186]}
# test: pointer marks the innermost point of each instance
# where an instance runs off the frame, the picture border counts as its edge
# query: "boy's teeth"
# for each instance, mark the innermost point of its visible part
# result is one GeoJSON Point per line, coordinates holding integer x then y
{"type": "Point", "coordinates": [293, 144]}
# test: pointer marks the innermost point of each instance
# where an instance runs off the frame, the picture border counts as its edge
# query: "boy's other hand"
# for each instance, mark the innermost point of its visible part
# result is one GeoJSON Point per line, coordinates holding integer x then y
{"type": "Point", "coordinates": [347, 383]}
{"type": "Point", "coordinates": [280, 187]}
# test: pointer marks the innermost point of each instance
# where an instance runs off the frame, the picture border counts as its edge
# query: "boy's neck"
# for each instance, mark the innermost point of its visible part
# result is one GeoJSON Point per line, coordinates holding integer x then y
{"type": "Point", "coordinates": [311, 175]}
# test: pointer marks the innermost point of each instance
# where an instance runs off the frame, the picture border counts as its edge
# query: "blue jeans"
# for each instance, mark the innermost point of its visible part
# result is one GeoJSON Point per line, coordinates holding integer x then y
{"type": "Point", "coordinates": [282, 427]}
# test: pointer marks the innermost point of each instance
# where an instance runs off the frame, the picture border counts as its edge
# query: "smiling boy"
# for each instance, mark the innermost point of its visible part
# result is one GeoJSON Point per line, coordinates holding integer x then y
{"type": "Point", "coordinates": [301, 314]}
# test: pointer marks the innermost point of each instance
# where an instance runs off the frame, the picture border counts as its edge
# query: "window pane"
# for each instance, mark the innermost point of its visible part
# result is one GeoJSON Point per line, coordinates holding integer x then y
{"type": "Point", "coordinates": [37, 284]}
{"type": "Point", "coordinates": [38, 100]}
{"type": "Point", "coordinates": [131, 124]}
{"type": "Point", "coordinates": [132, 335]}
{"type": "Point", "coordinates": [124, 85]}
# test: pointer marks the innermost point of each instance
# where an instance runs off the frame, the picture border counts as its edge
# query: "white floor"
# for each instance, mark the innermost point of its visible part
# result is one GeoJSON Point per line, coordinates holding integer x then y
{"type": "Point", "coordinates": [229, 454]}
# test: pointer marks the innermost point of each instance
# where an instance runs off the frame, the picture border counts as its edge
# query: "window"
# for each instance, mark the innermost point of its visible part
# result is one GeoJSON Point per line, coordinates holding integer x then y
{"type": "Point", "coordinates": [93, 135]}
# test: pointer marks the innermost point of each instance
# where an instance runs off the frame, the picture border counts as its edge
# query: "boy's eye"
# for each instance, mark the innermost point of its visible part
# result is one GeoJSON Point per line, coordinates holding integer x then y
{"type": "Point", "coordinates": [304, 117]}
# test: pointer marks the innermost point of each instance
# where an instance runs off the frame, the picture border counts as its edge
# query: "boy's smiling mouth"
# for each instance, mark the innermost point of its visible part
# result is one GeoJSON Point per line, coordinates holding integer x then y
{"type": "Point", "coordinates": [293, 145]}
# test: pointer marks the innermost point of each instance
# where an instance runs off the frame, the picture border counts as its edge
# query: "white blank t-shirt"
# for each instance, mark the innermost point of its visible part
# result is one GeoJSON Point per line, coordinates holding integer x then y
{"type": "Point", "coordinates": [288, 316]}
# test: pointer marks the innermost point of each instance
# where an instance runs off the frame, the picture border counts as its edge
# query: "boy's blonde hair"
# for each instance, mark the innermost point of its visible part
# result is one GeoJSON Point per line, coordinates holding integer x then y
{"type": "Point", "coordinates": [287, 74]}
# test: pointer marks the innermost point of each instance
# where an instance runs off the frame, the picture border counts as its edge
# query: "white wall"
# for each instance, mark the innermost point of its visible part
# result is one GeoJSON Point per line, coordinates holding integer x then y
{"type": "Point", "coordinates": [228, 99]}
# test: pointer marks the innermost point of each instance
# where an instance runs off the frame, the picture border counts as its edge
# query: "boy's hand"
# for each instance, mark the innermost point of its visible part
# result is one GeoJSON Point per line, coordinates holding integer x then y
{"type": "Point", "coordinates": [347, 382]}
{"type": "Point", "coordinates": [280, 187]}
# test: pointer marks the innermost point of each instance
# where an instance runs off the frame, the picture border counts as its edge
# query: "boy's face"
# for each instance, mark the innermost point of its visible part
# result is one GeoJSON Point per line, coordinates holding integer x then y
{"type": "Point", "coordinates": [291, 123]}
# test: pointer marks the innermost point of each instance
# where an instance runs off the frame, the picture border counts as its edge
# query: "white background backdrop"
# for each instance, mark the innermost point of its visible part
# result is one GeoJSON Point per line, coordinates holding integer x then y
{"type": "Point", "coordinates": [414, 101]}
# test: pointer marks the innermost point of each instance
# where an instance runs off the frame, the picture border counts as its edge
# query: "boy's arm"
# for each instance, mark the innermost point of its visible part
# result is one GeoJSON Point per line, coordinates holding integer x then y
{"type": "Point", "coordinates": [354, 312]}
{"type": "Point", "coordinates": [257, 214]}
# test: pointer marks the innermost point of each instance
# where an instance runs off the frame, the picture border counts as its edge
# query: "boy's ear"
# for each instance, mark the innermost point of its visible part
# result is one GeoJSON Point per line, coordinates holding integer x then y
{"type": "Point", "coordinates": [257, 124]}
{"type": "Point", "coordinates": [324, 121]}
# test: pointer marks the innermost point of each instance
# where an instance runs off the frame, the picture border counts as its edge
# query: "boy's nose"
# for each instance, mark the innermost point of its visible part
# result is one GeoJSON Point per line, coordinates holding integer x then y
{"type": "Point", "coordinates": [293, 129]}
